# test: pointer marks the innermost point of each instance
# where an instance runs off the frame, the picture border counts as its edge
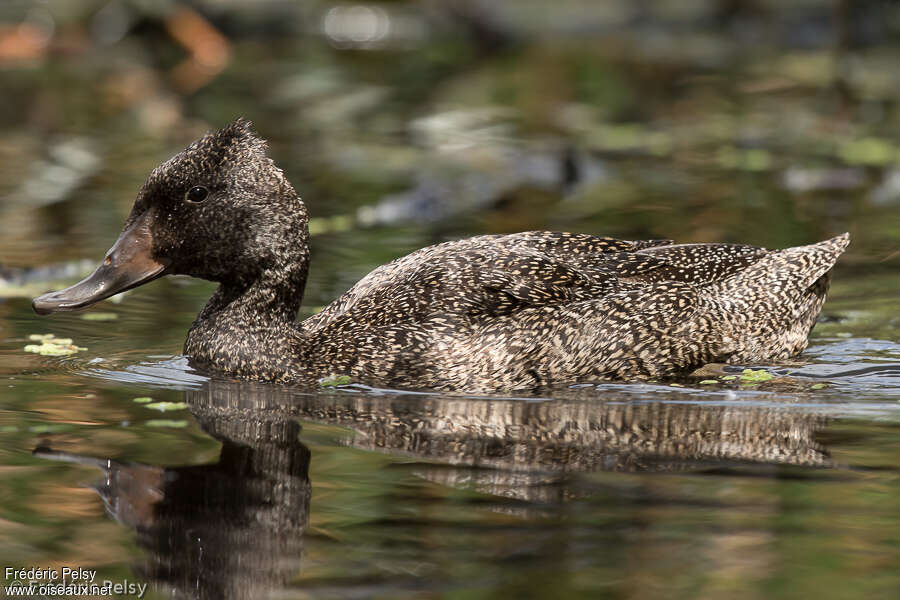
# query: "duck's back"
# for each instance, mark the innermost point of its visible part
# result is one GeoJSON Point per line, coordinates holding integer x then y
{"type": "Point", "coordinates": [543, 307]}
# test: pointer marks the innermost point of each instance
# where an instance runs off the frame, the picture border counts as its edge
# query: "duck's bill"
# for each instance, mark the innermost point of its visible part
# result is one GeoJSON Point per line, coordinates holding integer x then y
{"type": "Point", "coordinates": [128, 264]}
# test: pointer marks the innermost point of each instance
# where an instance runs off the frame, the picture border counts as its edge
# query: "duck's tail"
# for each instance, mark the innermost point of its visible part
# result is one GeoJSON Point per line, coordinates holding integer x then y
{"type": "Point", "coordinates": [813, 261]}
{"type": "Point", "coordinates": [787, 271]}
{"type": "Point", "coordinates": [778, 298]}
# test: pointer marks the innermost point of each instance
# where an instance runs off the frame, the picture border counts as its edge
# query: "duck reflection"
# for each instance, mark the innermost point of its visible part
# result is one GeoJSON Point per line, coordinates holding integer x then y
{"type": "Point", "coordinates": [519, 446]}
{"type": "Point", "coordinates": [234, 529]}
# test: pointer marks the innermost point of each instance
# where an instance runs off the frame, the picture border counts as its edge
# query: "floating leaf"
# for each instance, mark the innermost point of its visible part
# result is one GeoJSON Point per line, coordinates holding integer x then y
{"type": "Point", "coordinates": [143, 399]}
{"type": "Point", "coordinates": [728, 377]}
{"type": "Point", "coordinates": [100, 316]}
{"type": "Point", "coordinates": [166, 406]}
{"type": "Point", "coordinates": [49, 349]}
{"type": "Point", "coordinates": [335, 380]}
{"type": "Point", "coordinates": [708, 382]}
{"type": "Point", "coordinates": [175, 423]}
{"type": "Point", "coordinates": [819, 386]}
{"type": "Point", "coordinates": [51, 345]}
{"type": "Point", "coordinates": [751, 376]}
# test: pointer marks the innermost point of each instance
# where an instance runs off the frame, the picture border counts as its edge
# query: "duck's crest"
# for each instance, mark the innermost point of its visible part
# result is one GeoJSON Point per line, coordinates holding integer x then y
{"type": "Point", "coordinates": [229, 149]}
{"type": "Point", "coordinates": [238, 134]}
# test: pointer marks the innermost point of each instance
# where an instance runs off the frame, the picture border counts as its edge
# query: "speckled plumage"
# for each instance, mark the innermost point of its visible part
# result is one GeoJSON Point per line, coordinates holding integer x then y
{"type": "Point", "coordinates": [488, 313]}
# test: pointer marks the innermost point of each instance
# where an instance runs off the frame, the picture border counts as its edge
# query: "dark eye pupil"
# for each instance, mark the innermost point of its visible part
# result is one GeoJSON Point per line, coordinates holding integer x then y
{"type": "Point", "coordinates": [197, 194]}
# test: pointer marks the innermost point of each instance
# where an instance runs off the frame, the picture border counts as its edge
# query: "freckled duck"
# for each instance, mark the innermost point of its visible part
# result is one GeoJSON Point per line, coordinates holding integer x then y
{"type": "Point", "coordinates": [489, 313]}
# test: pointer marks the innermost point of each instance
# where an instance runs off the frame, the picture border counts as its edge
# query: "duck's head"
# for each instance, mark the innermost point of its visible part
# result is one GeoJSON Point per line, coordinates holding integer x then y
{"type": "Point", "coordinates": [220, 210]}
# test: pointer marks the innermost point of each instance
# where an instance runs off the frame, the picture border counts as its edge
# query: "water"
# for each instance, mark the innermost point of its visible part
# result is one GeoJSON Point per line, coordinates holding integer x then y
{"type": "Point", "coordinates": [785, 489]}
{"type": "Point", "coordinates": [776, 490]}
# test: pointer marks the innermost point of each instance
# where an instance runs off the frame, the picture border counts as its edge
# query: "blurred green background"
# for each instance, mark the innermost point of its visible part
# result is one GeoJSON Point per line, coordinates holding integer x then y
{"type": "Point", "coordinates": [704, 120]}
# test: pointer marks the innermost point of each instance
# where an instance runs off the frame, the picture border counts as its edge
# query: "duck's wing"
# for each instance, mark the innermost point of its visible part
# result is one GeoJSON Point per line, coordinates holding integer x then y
{"type": "Point", "coordinates": [697, 263]}
{"type": "Point", "coordinates": [485, 275]}
{"type": "Point", "coordinates": [735, 269]}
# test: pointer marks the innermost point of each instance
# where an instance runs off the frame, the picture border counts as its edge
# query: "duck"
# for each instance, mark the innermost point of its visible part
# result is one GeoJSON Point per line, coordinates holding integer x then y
{"type": "Point", "coordinates": [485, 314]}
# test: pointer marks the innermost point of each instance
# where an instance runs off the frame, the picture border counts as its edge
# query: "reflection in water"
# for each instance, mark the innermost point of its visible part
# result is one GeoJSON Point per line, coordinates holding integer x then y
{"type": "Point", "coordinates": [234, 529]}
{"type": "Point", "coordinates": [573, 434]}
{"type": "Point", "coordinates": [518, 445]}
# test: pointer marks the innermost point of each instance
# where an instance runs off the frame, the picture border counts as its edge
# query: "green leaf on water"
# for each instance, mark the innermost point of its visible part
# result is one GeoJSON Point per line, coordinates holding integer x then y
{"type": "Point", "coordinates": [143, 399]}
{"type": "Point", "coordinates": [175, 423]}
{"type": "Point", "coordinates": [819, 386]}
{"type": "Point", "coordinates": [50, 345]}
{"type": "Point", "coordinates": [166, 406]}
{"type": "Point", "coordinates": [335, 380]}
{"type": "Point", "coordinates": [100, 316]}
{"type": "Point", "coordinates": [728, 377]}
{"type": "Point", "coordinates": [708, 382]}
{"type": "Point", "coordinates": [759, 376]}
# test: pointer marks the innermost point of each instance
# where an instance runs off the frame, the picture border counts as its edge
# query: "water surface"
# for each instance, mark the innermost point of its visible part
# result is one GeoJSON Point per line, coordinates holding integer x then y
{"type": "Point", "coordinates": [677, 122]}
{"type": "Point", "coordinates": [602, 490]}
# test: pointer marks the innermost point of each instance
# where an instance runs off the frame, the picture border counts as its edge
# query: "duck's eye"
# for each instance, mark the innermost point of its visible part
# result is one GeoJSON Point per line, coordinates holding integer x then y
{"type": "Point", "coordinates": [196, 194]}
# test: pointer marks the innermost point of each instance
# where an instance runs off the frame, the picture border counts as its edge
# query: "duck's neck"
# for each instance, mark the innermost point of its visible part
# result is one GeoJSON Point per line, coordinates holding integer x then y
{"type": "Point", "coordinates": [271, 298]}
{"type": "Point", "coordinates": [248, 325]}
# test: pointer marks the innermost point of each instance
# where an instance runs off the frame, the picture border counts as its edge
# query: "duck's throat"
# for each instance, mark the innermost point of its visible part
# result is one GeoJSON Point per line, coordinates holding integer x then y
{"type": "Point", "coordinates": [249, 330]}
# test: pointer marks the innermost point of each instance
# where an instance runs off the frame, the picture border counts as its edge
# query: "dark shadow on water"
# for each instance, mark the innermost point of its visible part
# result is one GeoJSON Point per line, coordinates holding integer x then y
{"type": "Point", "coordinates": [235, 528]}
